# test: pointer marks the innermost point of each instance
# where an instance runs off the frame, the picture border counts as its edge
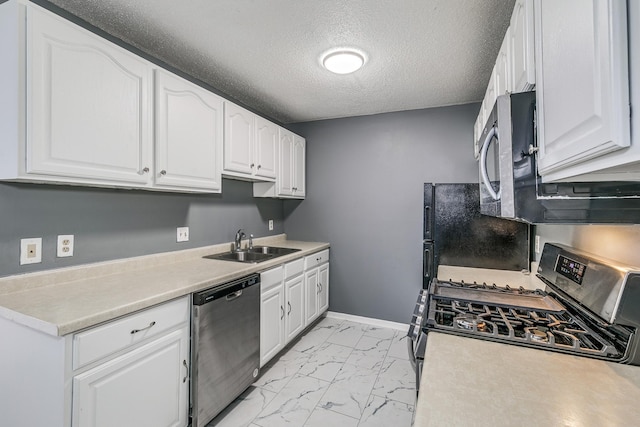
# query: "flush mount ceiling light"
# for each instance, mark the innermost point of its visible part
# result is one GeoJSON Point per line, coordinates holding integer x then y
{"type": "Point", "coordinates": [343, 61]}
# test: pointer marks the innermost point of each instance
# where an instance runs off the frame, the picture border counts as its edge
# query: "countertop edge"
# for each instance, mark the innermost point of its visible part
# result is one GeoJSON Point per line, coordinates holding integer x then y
{"type": "Point", "coordinates": [109, 313]}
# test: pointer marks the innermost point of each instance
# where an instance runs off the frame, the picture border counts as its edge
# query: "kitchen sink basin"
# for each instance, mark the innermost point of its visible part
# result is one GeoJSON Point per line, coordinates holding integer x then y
{"type": "Point", "coordinates": [253, 255]}
{"type": "Point", "coordinates": [272, 250]}
{"type": "Point", "coordinates": [241, 256]}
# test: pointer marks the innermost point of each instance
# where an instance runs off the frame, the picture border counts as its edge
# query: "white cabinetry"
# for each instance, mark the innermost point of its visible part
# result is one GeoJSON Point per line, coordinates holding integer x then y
{"type": "Point", "coordinates": [87, 103]}
{"type": "Point", "coordinates": [189, 132]}
{"type": "Point", "coordinates": [316, 277]}
{"type": "Point", "coordinates": [250, 145]}
{"type": "Point", "coordinates": [290, 180]}
{"type": "Point", "coordinates": [294, 296]}
{"type": "Point", "coordinates": [131, 371]}
{"type": "Point", "coordinates": [521, 46]}
{"type": "Point", "coordinates": [79, 109]}
{"type": "Point", "coordinates": [582, 89]}
{"type": "Point", "coordinates": [267, 148]}
{"type": "Point", "coordinates": [146, 386]}
{"type": "Point", "coordinates": [118, 389]}
{"type": "Point", "coordinates": [272, 312]}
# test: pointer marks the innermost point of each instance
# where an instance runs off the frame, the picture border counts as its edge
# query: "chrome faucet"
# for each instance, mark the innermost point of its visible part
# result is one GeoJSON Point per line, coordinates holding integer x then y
{"type": "Point", "coordinates": [238, 243]}
{"type": "Point", "coordinates": [250, 241]}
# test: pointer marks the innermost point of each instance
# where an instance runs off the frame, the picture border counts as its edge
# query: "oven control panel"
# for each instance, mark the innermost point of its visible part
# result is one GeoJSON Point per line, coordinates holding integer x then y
{"type": "Point", "coordinates": [571, 269]}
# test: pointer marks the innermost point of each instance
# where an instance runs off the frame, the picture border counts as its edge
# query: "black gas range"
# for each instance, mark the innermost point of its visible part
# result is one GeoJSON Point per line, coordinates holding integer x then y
{"type": "Point", "coordinates": [590, 307]}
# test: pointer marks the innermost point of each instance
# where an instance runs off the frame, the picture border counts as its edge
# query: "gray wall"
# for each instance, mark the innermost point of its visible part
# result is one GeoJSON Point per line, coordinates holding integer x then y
{"type": "Point", "coordinates": [110, 224]}
{"type": "Point", "coordinates": [365, 180]}
{"type": "Point", "coordinates": [617, 242]}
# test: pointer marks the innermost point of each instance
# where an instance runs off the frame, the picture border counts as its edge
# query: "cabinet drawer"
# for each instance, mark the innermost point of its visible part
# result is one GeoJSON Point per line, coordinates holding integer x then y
{"type": "Point", "coordinates": [98, 342]}
{"type": "Point", "coordinates": [271, 278]}
{"type": "Point", "coordinates": [316, 259]}
{"type": "Point", "coordinates": [293, 268]}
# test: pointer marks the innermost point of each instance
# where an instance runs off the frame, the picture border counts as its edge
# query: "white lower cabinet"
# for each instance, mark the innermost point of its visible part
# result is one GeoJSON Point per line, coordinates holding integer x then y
{"type": "Point", "coordinates": [272, 306]}
{"type": "Point", "coordinates": [145, 383]}
{"type": "Point", "coordinates": [294, 319]}
{"type": "Point", "coordinates": [316, 278]}
{"type": "Point", "coordinates": [146, 386]}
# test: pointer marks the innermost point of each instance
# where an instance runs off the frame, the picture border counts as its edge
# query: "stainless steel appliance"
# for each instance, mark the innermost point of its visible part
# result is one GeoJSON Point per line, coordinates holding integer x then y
{"type": "Point", "coordinates": [455, 233]}
{"type": "Point", "coordinates": [589, 308]}
{"type": "Point", "coordinates": [225, 345]}
{"type": "Point", "coordinates": [511, 188]}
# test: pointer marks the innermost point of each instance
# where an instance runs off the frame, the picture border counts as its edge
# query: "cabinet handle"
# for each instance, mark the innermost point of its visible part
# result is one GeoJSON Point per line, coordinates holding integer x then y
{"type": "Point", "coordinates": [318, 288]}
{"type": "Point", "coordinates": [145, 170]}
{"type": "Point", "coordinates": [259, 166]}
{"type": "Point", "coordinates": [163, 172]}
{"type": "Point", "coordinates": [289, 304]}
{"type": "Point", "coordinates": [252, 165]}
{"type": "Point", "coordinates": [184, 363]}
{"type": "Point", "coordinates": [281, 311]}
{"type": "Point", "coordinates": [294, 189]}
{"type": "Point", "coordinates": [320, 284]}
{"type": "Point", "coordinates": [135, 331]}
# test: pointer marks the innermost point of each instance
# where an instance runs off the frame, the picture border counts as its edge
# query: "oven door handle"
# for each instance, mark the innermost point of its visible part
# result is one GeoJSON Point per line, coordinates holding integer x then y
{"type": "Point", "coordinates": [412, 356]}
{"type": "Point", "coordinates": [483, 163]}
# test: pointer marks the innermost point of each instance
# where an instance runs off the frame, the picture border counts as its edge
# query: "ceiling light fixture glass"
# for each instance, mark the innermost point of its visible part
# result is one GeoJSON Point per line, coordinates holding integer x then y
{"type": "Point", "coordinates": [343, 61]}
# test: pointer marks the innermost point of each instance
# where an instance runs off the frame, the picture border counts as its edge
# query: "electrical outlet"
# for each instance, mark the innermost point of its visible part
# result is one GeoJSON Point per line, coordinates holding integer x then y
{"type": "Point", "coordinates": [182, 234]}
{"type": "Point", "coordinates": [65, 245]}
{"type": "Point", "coordinates": [30, 251]}
{"type": "Point", "coordinates": [270, 225]}
{"type": "Point", "coordinates": [537, 244]}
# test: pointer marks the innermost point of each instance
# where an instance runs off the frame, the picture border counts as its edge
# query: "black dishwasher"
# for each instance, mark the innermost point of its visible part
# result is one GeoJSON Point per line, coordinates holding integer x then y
{"type": "Point", "coordinates": [225, 345]}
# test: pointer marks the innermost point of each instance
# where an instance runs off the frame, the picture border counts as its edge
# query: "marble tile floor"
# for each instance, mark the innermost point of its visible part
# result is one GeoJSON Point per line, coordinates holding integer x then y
{"type": "Point", "coordinates": [338, 374]}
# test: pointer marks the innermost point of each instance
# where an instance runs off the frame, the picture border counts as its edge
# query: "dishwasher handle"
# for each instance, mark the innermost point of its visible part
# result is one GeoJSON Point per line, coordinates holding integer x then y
{"type": "Point", "coordinates": [233, 295]}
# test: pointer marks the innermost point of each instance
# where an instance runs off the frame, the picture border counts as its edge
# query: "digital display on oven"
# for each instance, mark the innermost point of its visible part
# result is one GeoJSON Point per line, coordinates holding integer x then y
{"type": "Point", "coordinates": [570, 269]}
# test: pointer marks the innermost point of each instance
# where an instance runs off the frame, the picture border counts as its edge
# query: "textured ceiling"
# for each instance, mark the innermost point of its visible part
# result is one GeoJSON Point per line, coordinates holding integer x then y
{"type": "Point", "coordinates": [266, 54]}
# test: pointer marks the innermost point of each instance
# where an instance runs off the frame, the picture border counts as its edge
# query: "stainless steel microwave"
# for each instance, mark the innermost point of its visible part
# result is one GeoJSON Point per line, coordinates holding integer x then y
{"type": "Point", "coordinates": [510, 186]}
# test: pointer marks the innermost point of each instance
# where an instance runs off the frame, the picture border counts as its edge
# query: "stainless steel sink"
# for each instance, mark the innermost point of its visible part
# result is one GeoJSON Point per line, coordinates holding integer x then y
{"type": "Point", "coordinates": [272, 250]}
{"type": "Point", "coordinates": [241, 256]}
{"type": "Point", "coordinates": [253, 255]}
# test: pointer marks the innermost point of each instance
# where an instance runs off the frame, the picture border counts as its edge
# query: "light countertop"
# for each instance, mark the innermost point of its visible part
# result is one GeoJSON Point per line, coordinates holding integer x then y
{"type": "Point", "coordinates": [63, 301]}
{"type": "Point", "coordinates": [472, 382]}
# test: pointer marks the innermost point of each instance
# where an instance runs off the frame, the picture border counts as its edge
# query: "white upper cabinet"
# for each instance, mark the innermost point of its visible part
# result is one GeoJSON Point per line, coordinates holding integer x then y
{"type": "Point", "coordinates": [582, 85]}
{"type": "Point", "coordinates": [78, 109]}
{"type": "Point", "coordinates": [266, 157]}
{"type": "Point", "coordinates": [503, 68]}
{"type": "Point", "coordinates": [239, 135]}
{"type": "Point", "coordinates": [522, 47]}
{"type": "Point", "coordinates": [189, 132]}
{"type": "Point", "coordinates": [298, 167]}
{"type": "Point", "coordinates": [250, 145]}
{"type": "Point", "coordinates": [88, 105]}
{"type": "Point", "coordinates": [291, 177]}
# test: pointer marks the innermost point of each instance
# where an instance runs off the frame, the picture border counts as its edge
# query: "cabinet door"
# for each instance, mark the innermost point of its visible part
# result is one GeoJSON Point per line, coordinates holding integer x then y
{"type": "Point", "coordinates": [285, 178]}
{"type": "Point", "coordinates": [503, 66]}
{"type": "Point", "coordinates": [299, 154]}
{"type": "Point", "coordinates": [311, 295]}
{"type": "Point", "coordinates": [88, 104]}
{"type": "Point", "coordinates": [582, 85]}
{"type": "Point", "coordinates": [239, 134]}
{"type": "Point", "coordinates": [323, 288]}
{"type": "Point", "coordinates": [267, 152]}
{"type": "Point", "coordinates": [294, 319]}
{"type": "Point", "coordinates": [272, 312]}
{"type": "Point", "coordinates": [521, 46]}
{"type": "Point", "coordinates": [188, 134]}
{"type": "Point", "coordinates": [145, 387]}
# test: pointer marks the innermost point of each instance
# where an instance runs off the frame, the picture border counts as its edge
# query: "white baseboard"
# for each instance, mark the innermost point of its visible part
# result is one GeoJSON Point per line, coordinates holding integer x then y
{"type": "Point", "coordinates": [368, 321]}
